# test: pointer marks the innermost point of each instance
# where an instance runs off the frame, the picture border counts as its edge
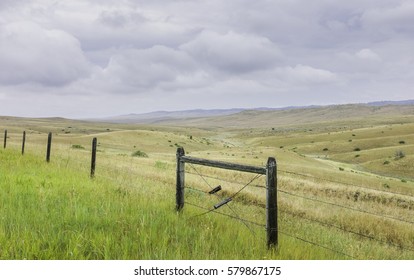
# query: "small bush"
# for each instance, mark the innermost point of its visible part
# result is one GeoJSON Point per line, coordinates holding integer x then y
{"type": "Point", "coordinates": [139, 154]}
{"type": "Point", "coordinates": [325, 149]}
{"type": "Point", "coordinates": [386, 162]}
{"type": "Point", "coordinates": [402, 142]}
{"type": "Point", "coordinates": [341, 169]}
{"type": "Point", "coordinates": [357, 149]}
{"type": "Point", "coordinates": [77, 146]}
{"type": "Point", "coordinates": [357, 156]}
{"type": "Point", "coordinates": [399, 154]}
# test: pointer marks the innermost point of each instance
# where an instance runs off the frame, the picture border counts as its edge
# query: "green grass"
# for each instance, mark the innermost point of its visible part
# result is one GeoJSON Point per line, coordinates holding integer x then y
{"type": "Point", "coordinates": [51, 212]}
{"type": "Point", "coordinates": [55, 211]}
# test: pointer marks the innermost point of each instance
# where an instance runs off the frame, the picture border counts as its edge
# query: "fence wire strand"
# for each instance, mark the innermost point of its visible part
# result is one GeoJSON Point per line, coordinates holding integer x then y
{"type": "Point", "coordinates": [224, 214]}
{"type": "Point", "coordinates": [345, 207]}
{"type": "Point", "coordinates": [316, 244]}
{"type": "Point", "coordinates": [228, 181]}
{"type": "Point", "coordinates": [349, 231]}
{"type": "Point", "coordinates": [344, 183]}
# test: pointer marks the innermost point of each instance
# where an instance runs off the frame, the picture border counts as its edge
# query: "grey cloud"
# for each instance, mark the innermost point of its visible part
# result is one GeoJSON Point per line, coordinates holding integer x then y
{"type": "Point", "coordinates": [233, 52]}
{"type": "Point", "coordinates": [32, 54]}
{"type": "Point", "coordinates": [153, 51]}
{"type": "Point", "coordinates": [148, 67]}
{"type": "Point", "coordinates": [398, 18]}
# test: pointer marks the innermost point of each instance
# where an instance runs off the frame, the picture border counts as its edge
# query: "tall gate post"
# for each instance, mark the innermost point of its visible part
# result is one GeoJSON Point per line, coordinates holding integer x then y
{"type": "Point", "coordinates": [271, 203]}
{"type": "Point", "coordinates": [180, 179]}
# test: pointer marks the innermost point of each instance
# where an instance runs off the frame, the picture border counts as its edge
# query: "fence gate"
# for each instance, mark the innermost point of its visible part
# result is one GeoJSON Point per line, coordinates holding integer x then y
{"type": "Point", "coordinates": [271, 186]}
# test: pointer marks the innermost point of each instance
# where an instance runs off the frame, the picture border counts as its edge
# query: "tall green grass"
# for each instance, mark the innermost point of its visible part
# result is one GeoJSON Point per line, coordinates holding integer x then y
{"type": "Point", "coordinates": [55, 211]}
{"type": "Point", "coordinates": [51, 212]}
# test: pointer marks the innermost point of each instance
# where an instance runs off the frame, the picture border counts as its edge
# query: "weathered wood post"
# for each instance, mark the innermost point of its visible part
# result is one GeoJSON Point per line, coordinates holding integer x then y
{"type": "Point", "coordinates": [5, 139]}
{"type": "Point", "coordinates": [271, 203]}
{"type": "Point", "coordinates": [180, 179]}
{"type": "Point", "coordinates": [93, 160]}
{"type": "Point", "coordinates": [23, 142]}
{"type": "Point", "coordinates": [49, 146]}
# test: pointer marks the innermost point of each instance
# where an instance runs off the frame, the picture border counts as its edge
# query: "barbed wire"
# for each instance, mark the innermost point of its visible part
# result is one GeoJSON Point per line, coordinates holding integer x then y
{"type": "Point", "coordinates": [345, 207]}
{"type": "Point", "coordinates": [344, 183]}
{"type": "Point", "coordinates": [257, 203]}
{"type": "Point", "coordinates": [348, 231]}
{"type": "Point", "coordinates": [227, 180]}
{"type": "Point", "coordinates": [315, 244]}
{"type": "Point", "coordinates": [224, 214]}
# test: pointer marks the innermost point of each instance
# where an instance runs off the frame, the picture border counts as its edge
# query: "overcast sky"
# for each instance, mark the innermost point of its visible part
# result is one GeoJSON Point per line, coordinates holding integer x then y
{"type": "Point", "coordinates": [90, 58]}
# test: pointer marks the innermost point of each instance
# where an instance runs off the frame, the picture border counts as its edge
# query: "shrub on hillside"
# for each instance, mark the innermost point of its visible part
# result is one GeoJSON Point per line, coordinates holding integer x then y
{"type": "Point", "coordinates": [399, 154]}
{"type": "Point", "coordinates": [139, 154]}
{"type": "Point", "coordinates": [77, 146]}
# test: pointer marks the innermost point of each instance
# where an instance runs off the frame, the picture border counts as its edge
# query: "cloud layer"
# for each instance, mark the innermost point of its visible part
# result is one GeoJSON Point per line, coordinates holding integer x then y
{"type": "Point", "coordinates": [98, 58]}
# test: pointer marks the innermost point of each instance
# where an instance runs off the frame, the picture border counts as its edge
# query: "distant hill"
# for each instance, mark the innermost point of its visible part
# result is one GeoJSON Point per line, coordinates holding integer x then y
{"type": "Point", "coordinates": [159, 116]}
{"type": "Point", "coordinates": [299, 117]}
{"type": "Point", "coordinates": [385, 103]}
{"type": "Point", "coordinates": [258, 117]}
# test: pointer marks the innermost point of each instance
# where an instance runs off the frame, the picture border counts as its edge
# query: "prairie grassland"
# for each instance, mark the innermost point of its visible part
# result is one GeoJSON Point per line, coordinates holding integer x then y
{"type": "Point", "coordinates": [332, 205]}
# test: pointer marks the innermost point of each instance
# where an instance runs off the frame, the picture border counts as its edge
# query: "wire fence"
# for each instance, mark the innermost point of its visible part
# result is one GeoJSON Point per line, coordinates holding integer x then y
{"type": "Point", "coordinates": [285, 194]}
{"type": "Point", "coordinates": [247, 190]}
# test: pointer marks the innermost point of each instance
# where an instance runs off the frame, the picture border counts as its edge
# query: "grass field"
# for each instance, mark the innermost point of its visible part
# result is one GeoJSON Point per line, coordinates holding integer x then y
{"type": "Point", "coordinates": [346, 189]}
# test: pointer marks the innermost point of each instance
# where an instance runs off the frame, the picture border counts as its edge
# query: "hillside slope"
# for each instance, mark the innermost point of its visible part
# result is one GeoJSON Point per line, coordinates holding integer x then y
{"type": "Point", "coordinates": [302, 116]}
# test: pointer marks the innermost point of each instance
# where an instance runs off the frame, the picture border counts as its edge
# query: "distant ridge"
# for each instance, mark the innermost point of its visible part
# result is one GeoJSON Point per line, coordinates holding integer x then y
{"type": "Point", "coordinates": [157, 116]}
{"type": "Point", "coordinates": [385, 103]}
{"type": "Point", "coordinates": [185, 115]}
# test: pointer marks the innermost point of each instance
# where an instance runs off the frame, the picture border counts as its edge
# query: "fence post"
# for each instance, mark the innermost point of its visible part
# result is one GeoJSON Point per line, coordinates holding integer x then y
{"type": "Point", "coordinates": [5, 139]}
{"type": "Point", "coordinates": [271, 203]}
{"type": "Point", "coordinates": [23, 142]}
{"type": "Point", "coordinates": [180, 179]}
{"type": "Point", "coordinates": [49, 145]}
{"type": "Point", "coordinates": [93, 161]}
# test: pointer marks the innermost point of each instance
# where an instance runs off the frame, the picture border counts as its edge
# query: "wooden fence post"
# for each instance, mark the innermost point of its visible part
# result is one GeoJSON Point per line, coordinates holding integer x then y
{"type": "Point", "coordinates": [93, 160]}
{"type": "Point", "coordinates": [5, 139]}
{"type": "Point", "coordinates": [23, 142]}
{"type": "Point", "coordinates": [49, 145]}
{"type": "Point", "coordinates": [180, 179]}
{"type": "Point", "coordinates": [271, 203]}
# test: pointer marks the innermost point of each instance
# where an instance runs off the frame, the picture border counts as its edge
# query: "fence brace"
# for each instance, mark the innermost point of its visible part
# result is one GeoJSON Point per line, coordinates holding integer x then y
{"type": "Point", "coordinates": [271, 186]}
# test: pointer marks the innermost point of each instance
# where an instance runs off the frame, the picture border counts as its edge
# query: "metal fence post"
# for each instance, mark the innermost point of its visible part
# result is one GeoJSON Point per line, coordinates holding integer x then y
{"type": "Point", "coordinates": [49, 145]}
{"type": "Point", "coordinates": [23, 141]}
{"type": "Point", "coordinates": [271, 203]}
{"type": "Point", "coordinates": [93, 160]}
{"type": "Point", "coordinates": [180, 179]}
{"type": "Point", "coordinates": [5, 139]}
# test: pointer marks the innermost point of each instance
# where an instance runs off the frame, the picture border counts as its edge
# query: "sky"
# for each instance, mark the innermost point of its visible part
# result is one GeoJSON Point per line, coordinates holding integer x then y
{"type": "Point", "coordinates": [90, 58]}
